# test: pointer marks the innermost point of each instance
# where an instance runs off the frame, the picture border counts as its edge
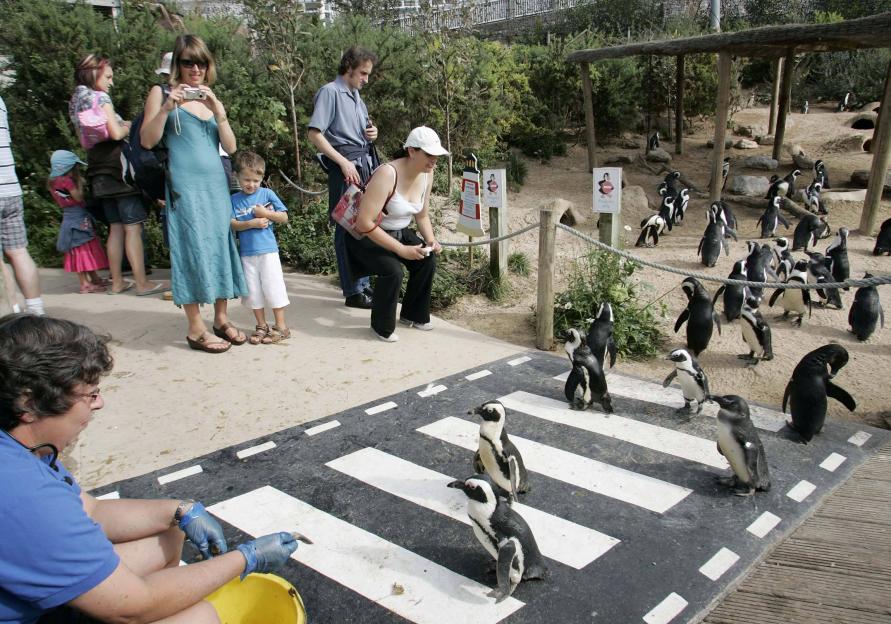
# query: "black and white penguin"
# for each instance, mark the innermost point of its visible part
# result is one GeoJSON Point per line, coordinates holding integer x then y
{"type": "Point", "coordinates": [795, 300]}
{"type": "Point", "coordinates": [807, 391]}
{"type": "Point", "coordinates": [653, 141]}
{"type": "Point", "coordinates": [667, 209]}
{"type": "Point", "coordinates": [804, 107]}
{"type": "Point", "coordinates": [844, 103]}
{"type": "Point", "coordinates": [699, 315]}
{"type": "Point", "coordinates": [790, 182]}
{"type": "Point", "coordinates": [778, 187]}
{"type": "Point", "coordinates": [503, 533]}
{"type": "Point", "coordinates": [713, 240]}
{"type": "Point", "coordinates": [739, 443]}
{"type": "Point", "coordinates": [812, 199]}
{"type": "Point", "coordinates": [691, 378]}
{"type": "Point", "coordinates": [680, 206]}
{"type": "Point", "coordinates": [758, 267]}
{"type": "Point", "coordinates": [883, 240]}
{"type": "Point", "coordinates": [600, 336]}
{"type": "Point", "coordinates": [733, 295]}
{"type": "Point", "coordinates": [809, 230]}
{"type": "Point", "coordinates": [820, 174]}
{"type": "Point", "coordinates": [724, 214]}
{"type": "Point", "coordinates": [725, 171]}
{"type": "Point", "coordinates": [755, 333]}
{"type": "Point", "coordinates": [650, 229]}
{"type": "Point", "coordinates": [496, 454]}
{"type": "Point", "coordinates": [673, 180]}
{"type": "Point", "coordinates": [819, 273]}
{"type": "Point", "coordinates": [771, 218]}
{"type": "Point", "coordinates": [837, 252]}
{"type": "Point", "coordinates": [572, 340]}
{"type": "Point", "coordinates": [866, 311]}
{"type": "Point", "coordinates": [783, 260]}
{"type": "Point", "coordinates": [586, 383]}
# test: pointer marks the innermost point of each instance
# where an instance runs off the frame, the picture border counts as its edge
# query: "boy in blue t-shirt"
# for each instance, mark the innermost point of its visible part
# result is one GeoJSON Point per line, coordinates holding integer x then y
{"type": "Point", "coordinates": [255, 209]}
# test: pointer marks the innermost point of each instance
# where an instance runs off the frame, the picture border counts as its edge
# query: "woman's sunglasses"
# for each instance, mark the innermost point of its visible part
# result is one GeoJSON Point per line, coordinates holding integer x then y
{"type": "Point", "coordinates": [189, 64]}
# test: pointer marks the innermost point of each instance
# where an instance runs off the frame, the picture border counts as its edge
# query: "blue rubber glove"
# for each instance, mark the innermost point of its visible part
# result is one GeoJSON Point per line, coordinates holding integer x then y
{"type": "Point", "coordinates": [204, 531]}
{"type": "Point", "coordinates": [267, 553]}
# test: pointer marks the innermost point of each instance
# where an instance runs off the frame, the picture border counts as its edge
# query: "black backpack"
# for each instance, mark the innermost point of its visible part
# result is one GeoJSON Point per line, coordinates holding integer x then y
{"type": "Point", "coordinates": [146, 169]}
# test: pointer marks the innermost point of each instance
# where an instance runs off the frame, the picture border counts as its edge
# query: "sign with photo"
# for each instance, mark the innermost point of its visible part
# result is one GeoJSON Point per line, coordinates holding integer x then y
{"type": "Point", "coordinates": [494, 187]}
{"type": "Point", "coordinates": [607, 189]}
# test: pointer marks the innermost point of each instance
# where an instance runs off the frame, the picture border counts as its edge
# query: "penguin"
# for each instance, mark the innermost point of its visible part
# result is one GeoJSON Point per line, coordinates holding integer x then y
{"type": "Point", "coordinates": [673, 181]}
{"type": "Point", "coordinates": [691, 378]}
{"type": "Point", "coordinates": [653, 142]}
{"type": "Point", "coordinates": [725, 171]}
{"type": "Point", "coordinates": [680, 207]}
{"type": "Point", "coordinates": [699, 315]}
{"type": "Point", "coordinates": [797, 300]}
{"type": "Point", "coordinates": [866, 311]}
{"type": "Point", "coordinates": [572, 340]}
{"type": "Point", "coordinates": [650, 229]}
{"type": "Point", "coordinates": [778, 187]}
{"type": "Point", "coordinates": [586, 383]}
{"type": "Point", "coordinates": [713, 240]}
{"type": "Point", "coordinates": [738, 441]}
{"type": "Point", "coordinates": [818, 272]}
{"type": "Point", "coordinates": [883, 240]}
{"type": "Point", "coordinates": [809, 230]}
{"type": "Point", "coordinates": [805, 107]}
{"type": "Point", "coordinates": [812, 199]}
{"type": "Point", "coordinates": [820, 174]}
{"type": "Point", "coordinates": [790, 181]}
{"type": "Point", "coordinates": [755, 333]}
{"type": "Point", "coordinates": [845, 102]}
{"type": "Point", "coordinates": [724, 214]}
{"type": "Point", "coordinates": [783, 259]}
{"type": "Point", "coordinates": [758, 268]}
{"type": "Point", "coordinates": [503, 533]}
{"type": "Point", "coordinates": [667, 209]}
{"type": "Point", "coordinates": [837, 252]}
{"type": "Point", "coordinates": [771, 218]}
{"type": "Point", "coordinates": [807, 391]}
{"type": "Point", "coordinates": [600, 336]}
{"type": "Point", "coordinates": [733, 295]}
{"type": "Point", "coordinates": [496, 455]}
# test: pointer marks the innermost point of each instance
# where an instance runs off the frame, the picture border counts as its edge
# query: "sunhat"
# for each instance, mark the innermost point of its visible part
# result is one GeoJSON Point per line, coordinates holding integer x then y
{"type": "Point", "coordinates": [164, 68]}
{"type": "Point", "coordinates": [424, 138]}
{"type": "Point", "coordinates": [62, 161]}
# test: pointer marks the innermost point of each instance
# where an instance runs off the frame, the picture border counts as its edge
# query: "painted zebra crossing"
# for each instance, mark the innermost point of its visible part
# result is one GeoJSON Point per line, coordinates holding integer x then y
{"type": "Point", "coordinates": [625, 508]}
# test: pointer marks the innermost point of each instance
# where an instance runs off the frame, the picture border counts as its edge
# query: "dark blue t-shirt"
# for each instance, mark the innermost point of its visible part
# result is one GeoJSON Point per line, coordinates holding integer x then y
{"type": "Point", "coordinates": [256, 241]}
{"type": "Point", "coordinates": [51, 551]}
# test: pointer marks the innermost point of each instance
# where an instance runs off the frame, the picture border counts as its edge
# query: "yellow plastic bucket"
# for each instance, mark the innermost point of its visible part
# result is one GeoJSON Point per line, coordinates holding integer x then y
{"type": "Point", "coordinates": [258, 599]}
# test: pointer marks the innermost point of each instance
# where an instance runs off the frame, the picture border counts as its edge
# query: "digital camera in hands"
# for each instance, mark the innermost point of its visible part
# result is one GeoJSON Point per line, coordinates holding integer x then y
{"type": "Point", "coordinates": [193, 93]}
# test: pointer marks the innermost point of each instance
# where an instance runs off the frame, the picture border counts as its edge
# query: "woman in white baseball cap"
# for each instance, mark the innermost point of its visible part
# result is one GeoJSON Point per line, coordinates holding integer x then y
{"type": "Point", "coordinates": [398, 192]}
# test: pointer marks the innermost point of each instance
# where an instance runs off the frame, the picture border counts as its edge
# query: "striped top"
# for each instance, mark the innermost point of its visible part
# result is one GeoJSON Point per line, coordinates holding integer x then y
{"type": "Point", "coordinates": [9, 182]}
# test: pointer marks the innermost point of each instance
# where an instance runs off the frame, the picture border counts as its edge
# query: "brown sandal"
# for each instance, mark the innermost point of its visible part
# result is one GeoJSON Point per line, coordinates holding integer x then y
{"type": "Point", "coordinates": [201, 344]}
{"type": "Point", "coordinates": [220, 332]}
{"type": "Point", "coordinates": [259, 335]}
{"type": "Point", "coordinates": [276, 334]}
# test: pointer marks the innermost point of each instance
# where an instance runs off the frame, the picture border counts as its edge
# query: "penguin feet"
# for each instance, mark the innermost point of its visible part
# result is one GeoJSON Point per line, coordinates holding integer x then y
{"type": "Point", "coordinates": [498, 595]}
{"type": "Point", "coordinates": [746, 356]}
{"type": "Point", "coordinates": [743, 490]}
{"type": "Point", "coordinates": [797, 322]}
{"type": "Point", "coordinates": [730, 481]}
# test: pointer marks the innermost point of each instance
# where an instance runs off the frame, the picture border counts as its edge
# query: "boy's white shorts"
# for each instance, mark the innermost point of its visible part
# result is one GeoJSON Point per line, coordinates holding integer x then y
{"type": "Point", "coordinates": [265, 282]}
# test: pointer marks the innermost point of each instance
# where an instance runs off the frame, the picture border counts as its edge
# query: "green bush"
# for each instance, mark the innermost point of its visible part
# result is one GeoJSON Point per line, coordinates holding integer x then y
{"type": "Point", "coordinates": [601, 277]}
{"type": "Point", "coordinates": [306, 241]}
{"type": "Point", "coordinates": [517, 170]}
{"type": "Point", "coordinates": [518, 263]}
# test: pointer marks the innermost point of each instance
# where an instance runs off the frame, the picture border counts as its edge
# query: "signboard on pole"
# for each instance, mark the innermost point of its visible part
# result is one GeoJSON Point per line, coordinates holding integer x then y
{"type": "Point", "coordinates": [495, 200]}
{"type": "Point", "coordinates": [607, 189]}
{"type": "Point", "coordinates": [469, 221]}
{"type": "Point", "coordinates": [494, 187]}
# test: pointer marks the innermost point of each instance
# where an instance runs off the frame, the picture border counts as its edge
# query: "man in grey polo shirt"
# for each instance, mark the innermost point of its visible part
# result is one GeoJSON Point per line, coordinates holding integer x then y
{"type": "Point", "coordinates": [341, 131]}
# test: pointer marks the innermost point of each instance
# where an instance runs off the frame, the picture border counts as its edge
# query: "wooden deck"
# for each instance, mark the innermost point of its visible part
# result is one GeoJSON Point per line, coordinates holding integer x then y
{"type": "Point", "coordinates": [834, 569]}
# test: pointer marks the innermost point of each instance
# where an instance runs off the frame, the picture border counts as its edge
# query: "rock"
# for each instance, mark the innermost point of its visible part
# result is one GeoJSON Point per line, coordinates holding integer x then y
{"type": "Point", "coordinates": [803, 162]}
{"type": "Point", "coordinates": [634, 201]}
{"type": "Point", "coordinates": [764, 139]}
{"type": "Point", "coordinates": [872, 107]}
{"type": "Point", "coordinates": [838, 197]}
{"type": "Point", "coordinates": [728, 143]}
{"type": "Point", "coordinates": [618, 159]}
{"type": "Point", "coordinates": [752, 186]}
{"type": "Point", "coordinates": [794, 150]}
{"type": "Point", "coordinates": [629, 141]}
{"type": "Point", "coordinates": [860, 178]}
{"type": "Point", "coordinates": [863, 121]}
{"type": "Point", "coordinates": [573, 216]}
{"type": "Point", "coordinates": [853, 143]}
{"type": "Point", "coordinates": [745, 131]}
{"type": "Point", "coordinates": [760, 162]}
{"type": "Point", "coordinates": [659, 155]}
{"type": "Point", "coordinates": [746, 144]}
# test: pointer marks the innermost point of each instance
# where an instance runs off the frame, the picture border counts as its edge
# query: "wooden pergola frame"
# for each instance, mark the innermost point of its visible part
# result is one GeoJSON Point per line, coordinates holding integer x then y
{"type": "Point", "coordinates": [779, 43]}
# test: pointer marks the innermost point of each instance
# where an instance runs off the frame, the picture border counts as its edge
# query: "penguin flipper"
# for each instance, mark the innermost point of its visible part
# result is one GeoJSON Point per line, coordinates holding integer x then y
{"type": "Point", "coordinates": [701, 376]}
{"type": "Point", "coordinates": [699, 249]}
{"type": "Point", "coordinates": [514, 476]}
{"type": "Point", "coordinates": [733, 234]}
{"type": "Point", "coordinates": [782, 220]}
{"type": "Point", "coordinates": [786, 393]}
{"type": "Point", "coordinates": [841, 395]}
{"type": "Point", "coordinates": [507, 563]}
{"type": "Point", "coordinates": [668, 379]}
{"type": "Point", "coordinates": [717, 320]}
{"type": "Point", "coordinates": [478, 466]}
{"type": "Point", "coordinates": [682, 317]}
{"type": "Point", "coordinates": [775, 296]}
{"type": "Point", "coordinates": [572, 382]}
{"type": "Point", "coordinates": [613, 350]}
{"type": "Point", "coordinates": [718, 293]}
{"type": "Point", "coordinates": [656, 236]}
{"type": "Point", "coordinates": [882, 317]}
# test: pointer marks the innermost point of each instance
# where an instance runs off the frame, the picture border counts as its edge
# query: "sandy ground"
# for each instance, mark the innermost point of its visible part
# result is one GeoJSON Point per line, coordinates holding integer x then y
{"type": "Point", "coordinates": [819, 133]}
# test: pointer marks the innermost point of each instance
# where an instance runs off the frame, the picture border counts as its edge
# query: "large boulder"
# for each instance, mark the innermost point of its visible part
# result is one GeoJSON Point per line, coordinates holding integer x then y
{"type": "Point", "coordinates": [836, 199]}
{"type": "Point", "coordinates": [760, 162]}
{"type": "Point", "coordinates": [634, 201]}
{"type": "Point", "coordinates": [746, 144]}
{"type": "Point", "coordinates": [658, 155]}
{"type": "Point", "coordinates": [803, 162]}
{"type": "Point", "coordinates": [860, 178]}
{"type": "Point", "coordinates": [573, 216]}
{"type": "Point", "coordinates": [618, 159]}
{"type": "Point", "coordinates": [863, 121]}
{"type": "Point", "coordinates": [728, 143]}
{"type": "Point", "coordinates": [794, 150]}
{"type": "Point", "coordinates": [764, 139]}
{"type": "Point", "coordinates": [752, 186]}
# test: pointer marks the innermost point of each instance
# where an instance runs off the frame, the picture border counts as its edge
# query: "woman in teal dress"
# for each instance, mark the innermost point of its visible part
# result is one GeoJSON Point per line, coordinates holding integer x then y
{"type": "Point", "coordinates": [205, 264]}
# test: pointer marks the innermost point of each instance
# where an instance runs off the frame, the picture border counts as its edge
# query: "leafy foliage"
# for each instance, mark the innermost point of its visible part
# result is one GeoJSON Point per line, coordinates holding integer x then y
{"type": "Point", "coordinates": [306, 241]}
{"type": "Point", "coordinates": [518, 262]}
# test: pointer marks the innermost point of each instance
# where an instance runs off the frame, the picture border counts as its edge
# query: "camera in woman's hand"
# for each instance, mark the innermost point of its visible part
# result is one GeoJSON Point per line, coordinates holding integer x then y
{"type": "Point", "coordinates": [193, 93]}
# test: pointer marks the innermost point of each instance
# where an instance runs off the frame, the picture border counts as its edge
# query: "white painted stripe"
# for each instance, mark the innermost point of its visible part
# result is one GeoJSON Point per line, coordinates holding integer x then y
{"type": "Point", "coordinates": [519, 360]}
{"type": "Point", "coordinates": [383, 407]}
{"type": "Point", "coordinates": [430, 391]}
{"type": "Point", "coordinates": [801, 491]}
{"type": "Point", "coordinates": [590, 474]}
{"type": "Point", "coordinates": [254, 450]}
{"type": "Point", "coordinates": [763, 524]}
{"type": "Point", "coordinates": [832, 462]}
{"type": "Point", "coordinates": [859, 438]}
{"type": "Point", "coordinates": [180, 474]}
{"type": "Point", "coordinates": [629, 387]}
{"type": "Point", "coordinates": [559, 539]}
{"type": "Point", "coordinates": [715, 567]}
{"type": "Point", "coordinates": [110, 496]}
{"type": "Point", "coordinates": [667, 610]}
{"type": "Point", "coordinates": [643, 434]}
{"type": "Point", "coordinates": [478, 375]}
{"type": "Point", "coordinates": [366, 563]}
{"type": "Point", "coordinates": [331, 424]}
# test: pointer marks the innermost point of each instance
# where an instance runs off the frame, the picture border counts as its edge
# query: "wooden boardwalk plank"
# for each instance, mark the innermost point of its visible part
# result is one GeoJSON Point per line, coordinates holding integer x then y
{"type": "Point", "coordinates": [835, 531]}
{"type": "Point", "coordinates": [873, 490]}
{"type": "Point", "coordinates": [842, 508]}
{"type": "Point", "coordinates": [854, 559]}
{"type": "Point", "coordinates": [744, 607]}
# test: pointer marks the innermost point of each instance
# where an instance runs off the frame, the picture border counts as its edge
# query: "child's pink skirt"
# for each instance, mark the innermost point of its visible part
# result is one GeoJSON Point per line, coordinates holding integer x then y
{"type": "Point", "coordinates": [87, 257]}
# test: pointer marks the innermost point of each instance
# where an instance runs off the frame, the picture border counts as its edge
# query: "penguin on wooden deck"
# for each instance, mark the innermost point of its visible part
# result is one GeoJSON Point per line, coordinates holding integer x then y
{"type": "Point", "coordinates": [810, 388]}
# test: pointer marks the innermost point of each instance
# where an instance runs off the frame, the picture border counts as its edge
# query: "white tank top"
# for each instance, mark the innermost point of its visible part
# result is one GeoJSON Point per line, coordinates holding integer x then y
{"type": "Point", "coordinates": [400, 211]}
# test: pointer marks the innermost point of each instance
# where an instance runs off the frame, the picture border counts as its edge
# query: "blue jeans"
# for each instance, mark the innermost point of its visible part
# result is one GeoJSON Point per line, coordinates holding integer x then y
{"type": "Point", "coordinates": [349, 286]}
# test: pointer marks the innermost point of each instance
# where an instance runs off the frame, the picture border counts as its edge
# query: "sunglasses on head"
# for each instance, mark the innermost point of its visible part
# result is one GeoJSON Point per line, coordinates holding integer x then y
{"type": "Point", "coordinates": [190, 63]}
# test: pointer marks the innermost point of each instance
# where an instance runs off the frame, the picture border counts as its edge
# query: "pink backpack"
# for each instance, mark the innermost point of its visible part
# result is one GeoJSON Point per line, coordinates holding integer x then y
{"type": "Point", "coordinates": [93, 125]}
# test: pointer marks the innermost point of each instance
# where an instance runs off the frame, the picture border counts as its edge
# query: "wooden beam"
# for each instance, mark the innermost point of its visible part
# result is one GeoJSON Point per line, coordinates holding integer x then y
{"type": "Point", "coordinates": [679, 107]}
{"type": "Point", "coordinates": [588, 97]}
{"type": "Point", "coordinates": [783, 107]}
{"type": "Point", "coordinates": [774, 95]}
{"type": "Point", "coordinates": [881, 145]}
{"type": "Point", "coordinates": [550, 215]}
{"type": "Point", "coordinates": [721, 113]}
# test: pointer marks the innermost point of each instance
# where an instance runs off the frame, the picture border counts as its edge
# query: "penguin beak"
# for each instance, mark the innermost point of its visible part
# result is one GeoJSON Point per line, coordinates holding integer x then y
{"type": "Point", "coordinates": [458, 485]}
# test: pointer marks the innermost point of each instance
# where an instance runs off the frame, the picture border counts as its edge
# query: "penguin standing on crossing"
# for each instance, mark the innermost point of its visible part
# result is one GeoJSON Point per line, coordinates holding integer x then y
{"type": "Point", "coordinates": [837, 252]}
{"type": "Point", "coordinates": [496, 454]}
{"type": "Point", "coordinates": [809, 230]}
{"type": "Point", "coordinates": [586, 383]}
{"type": "Point", "coordinates": [739, 443]}
{"type": "Point", "coordinates": [600, 336]}
{"type": "Point", "coordinates": [771, 218]}
{"type": "Point", "coordinates": [795, 300]}
{"type": "Point", "coordinates": [699, 315]}
{"type": "Point", "coordinates": [883, 240]}
{"type": "Point", "coordinates": [755, 333]}
{"type": "Point", "coordinates": [504, 534]}
{"type": "Point", "coordinates": [733, 295]}
{"type": "Point", "coordinates": [650, 230]}
{"type": "Point", "coordinates": [691, 378]}
{"type": "Point", "coordinates": [572, 341]}
{"type": "Point", "coordinates": [866, 311]}
{"type": "Point", "coordinates": [809, 389]}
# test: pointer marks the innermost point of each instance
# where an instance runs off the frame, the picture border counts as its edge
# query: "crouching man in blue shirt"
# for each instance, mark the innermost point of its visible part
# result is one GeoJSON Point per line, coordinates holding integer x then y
{"type": "Point", "coordinates": [114, 560]}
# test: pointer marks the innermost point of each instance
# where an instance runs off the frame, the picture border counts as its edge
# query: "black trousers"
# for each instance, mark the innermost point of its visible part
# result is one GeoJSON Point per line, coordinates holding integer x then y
{"type": "Point", "coordinates": [369, 258]}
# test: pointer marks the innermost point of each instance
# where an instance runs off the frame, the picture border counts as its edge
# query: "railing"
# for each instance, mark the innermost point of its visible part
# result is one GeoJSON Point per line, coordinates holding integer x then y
{"type": "Point", "coordinates": [470, 13]}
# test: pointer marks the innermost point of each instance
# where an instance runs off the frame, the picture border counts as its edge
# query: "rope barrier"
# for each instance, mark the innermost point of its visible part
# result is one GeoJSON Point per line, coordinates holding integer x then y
{"type": "Point", "coordinates": [491, 240]}
{"type": "Point", "coordinates": [300, 188]}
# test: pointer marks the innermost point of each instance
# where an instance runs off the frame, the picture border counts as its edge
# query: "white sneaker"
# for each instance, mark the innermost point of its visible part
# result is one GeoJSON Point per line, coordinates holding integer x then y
{"type": "Point", "coordinates": [391, 338]}
{"type": "Point", "coordinates": [421, 326]}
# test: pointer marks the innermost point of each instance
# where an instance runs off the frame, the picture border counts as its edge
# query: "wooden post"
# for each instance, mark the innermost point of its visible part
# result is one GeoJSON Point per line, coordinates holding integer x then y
{"type": "Point", "coordinates": [497, 251]}
{"type": "Point", "coordinates": [873, 148]}
{"type": "Point", "coordinates": [550, 215]}
{"type": "Point", "coordinates": [721, 113]}
{"type": "Point", "coordinates": [783, 107]}
{"type": "Point", "coordinates": [774, 95]}
{"type": "Point", "coordinates": [589, 115]}
{"type": "Point", "coordinates": [881, 144]}
{"type": "Point", "coordinates": [679, 107]}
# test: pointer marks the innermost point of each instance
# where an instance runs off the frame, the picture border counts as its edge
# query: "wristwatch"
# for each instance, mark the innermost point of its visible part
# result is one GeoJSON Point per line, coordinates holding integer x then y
{"type": "Point", "coordinates": [183, 508]}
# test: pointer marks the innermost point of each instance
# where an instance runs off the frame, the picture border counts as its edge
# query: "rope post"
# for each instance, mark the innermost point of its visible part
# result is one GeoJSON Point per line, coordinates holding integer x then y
{"type": "Point", "coordinates": [497, 251]}
{"type": "Point", "coordinates": [679, 107]}
{"type": "Point", "coordinates": [721, 113]}
{"type": "Point", "coordinates": [550, 214]}
{"type": "Point", "coordinates": [588, 97]}
{"type": "Point", "coordinates": [783, 106]}
{"type": "Point", "coordinates": [774, 95]}
{"type": "Point", "coordinates": [881, 148]}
